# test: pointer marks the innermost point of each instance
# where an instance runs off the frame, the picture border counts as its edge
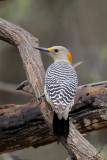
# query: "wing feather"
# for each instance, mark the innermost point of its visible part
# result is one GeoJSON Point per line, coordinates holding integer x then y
{"type": "Point", "coordinates": [61, 84]}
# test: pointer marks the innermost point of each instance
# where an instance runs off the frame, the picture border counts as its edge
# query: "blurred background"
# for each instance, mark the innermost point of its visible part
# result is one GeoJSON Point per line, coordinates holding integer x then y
{"type": "Point", "coordinates": [81, 26]}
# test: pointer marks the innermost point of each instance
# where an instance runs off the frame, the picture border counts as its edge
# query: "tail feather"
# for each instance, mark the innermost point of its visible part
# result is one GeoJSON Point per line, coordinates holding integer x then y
{"type": "Point", "coordinates": [60, 127]}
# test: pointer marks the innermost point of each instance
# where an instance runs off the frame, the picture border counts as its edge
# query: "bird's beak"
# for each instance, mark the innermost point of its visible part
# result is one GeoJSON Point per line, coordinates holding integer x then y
{"type": "Point", "coordinates": [42, 49]}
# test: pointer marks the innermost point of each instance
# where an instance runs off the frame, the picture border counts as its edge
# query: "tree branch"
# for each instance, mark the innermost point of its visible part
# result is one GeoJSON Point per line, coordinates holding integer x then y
{"type": "Point", "coordinates": [7, 88]}
{"type": "Point", "coordinates": [90, 110]}
{"type": "Point", "coordinates": [24, 125]}
{"type": "Point", "coordinates": [76, 144]}
{"type": "Point", "coordinates": [25, 42]}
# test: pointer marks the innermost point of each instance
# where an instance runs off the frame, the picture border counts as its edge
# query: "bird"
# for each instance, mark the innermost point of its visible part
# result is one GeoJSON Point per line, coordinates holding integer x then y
{"type": "Point", "coordinates": [60, 88]}
{"type": "Point", "coordinates": [26, 86]}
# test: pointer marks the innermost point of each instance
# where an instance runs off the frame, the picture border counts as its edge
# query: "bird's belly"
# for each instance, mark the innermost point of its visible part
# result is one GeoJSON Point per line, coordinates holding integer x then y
{"type": "Point", "coordinates": [47, 96]}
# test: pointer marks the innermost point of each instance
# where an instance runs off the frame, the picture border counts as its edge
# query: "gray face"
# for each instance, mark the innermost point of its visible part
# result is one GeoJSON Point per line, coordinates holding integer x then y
{"type": "Point", "coordinates": [58, 53]}
{"type": "Point", "coordinates": [58, 50]}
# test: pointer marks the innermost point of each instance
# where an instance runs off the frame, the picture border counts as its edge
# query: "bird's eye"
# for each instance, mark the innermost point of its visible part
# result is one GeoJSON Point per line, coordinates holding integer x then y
{"type": "Point", "coordinates": [56, 50]}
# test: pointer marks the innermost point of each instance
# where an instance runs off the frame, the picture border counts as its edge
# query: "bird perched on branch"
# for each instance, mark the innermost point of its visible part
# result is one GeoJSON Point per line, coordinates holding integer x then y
{"type": "Point", "coordinates": [60, 88]}
{"type": "Point", "coordinates": [26, 86]}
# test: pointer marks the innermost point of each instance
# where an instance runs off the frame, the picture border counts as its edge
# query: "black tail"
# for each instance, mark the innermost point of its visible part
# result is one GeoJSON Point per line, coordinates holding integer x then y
{"type": "Point", "coordinates": [60, 127]}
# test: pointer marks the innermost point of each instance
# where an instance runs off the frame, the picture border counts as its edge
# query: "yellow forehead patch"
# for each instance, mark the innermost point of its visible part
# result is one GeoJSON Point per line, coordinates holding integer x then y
{"type": "Point", "coordinates": [50, 48]}
{"type": "Point", "coordinates": [69, 57]}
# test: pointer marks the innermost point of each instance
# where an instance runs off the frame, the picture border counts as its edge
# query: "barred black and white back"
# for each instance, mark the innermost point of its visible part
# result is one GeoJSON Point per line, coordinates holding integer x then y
{"type": "Point", "coordinates": [60, 88]}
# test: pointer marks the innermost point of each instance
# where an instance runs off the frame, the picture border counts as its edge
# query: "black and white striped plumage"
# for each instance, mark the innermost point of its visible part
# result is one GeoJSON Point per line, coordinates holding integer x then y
{"type": "Point", "coordinates": [60, 88]}
{"type": "Point", "coordinates": [61, 84]}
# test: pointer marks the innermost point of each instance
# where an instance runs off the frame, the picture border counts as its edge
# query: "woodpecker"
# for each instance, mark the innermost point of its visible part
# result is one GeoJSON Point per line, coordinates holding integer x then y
{"type": "Point", "coordinates": [60, 88]}
{"type": "Point", "coordinates": [26, 87]}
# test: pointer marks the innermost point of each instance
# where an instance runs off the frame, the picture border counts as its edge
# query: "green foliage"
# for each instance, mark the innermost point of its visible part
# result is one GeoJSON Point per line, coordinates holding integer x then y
{"type": "Point", "coordinates": [15, 10]}
{"type": "Point", "coordinates": [103, 54]}
{"type": "Point", "coordinates": [102, 151]}
{"type": "Point", "coordinates": [1, 158]}
{"type": "Point", "coordinates": [95, 76]}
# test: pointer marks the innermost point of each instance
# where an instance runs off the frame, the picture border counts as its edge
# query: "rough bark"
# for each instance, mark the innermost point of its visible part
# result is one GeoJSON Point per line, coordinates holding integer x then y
{"type": "Point", "coordinates": [76, 145]}
{"type": "Point", "coordinates": [90, 110]}
{"type": "Point", "coordinates": [23, 125]}
{"type": "Point", "coordinates": [20, 128]}
{"type": "Point", "coordinates": [25, 42]}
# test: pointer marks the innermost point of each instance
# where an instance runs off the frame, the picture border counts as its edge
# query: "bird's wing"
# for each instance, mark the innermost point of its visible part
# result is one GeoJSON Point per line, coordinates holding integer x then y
{"type": "Point", "coordinates": [61, 94]}
{"type": "Point", "coordinates": [61, 84]}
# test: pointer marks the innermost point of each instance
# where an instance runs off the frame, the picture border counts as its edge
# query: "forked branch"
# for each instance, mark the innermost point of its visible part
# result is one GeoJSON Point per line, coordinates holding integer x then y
{"type": "Point", "coordinates": [77, 146]}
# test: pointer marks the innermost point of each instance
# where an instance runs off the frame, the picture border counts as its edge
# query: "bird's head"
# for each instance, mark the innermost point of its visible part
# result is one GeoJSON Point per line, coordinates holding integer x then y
{"type": "Point", "coordinates": [58, 53]}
